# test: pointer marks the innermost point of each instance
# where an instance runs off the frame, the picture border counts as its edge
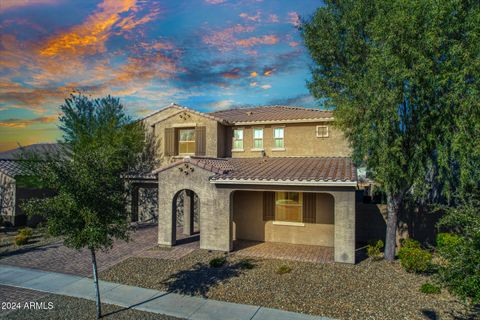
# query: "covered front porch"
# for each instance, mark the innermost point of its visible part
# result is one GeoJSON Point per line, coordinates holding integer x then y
{"type": "Point", "coordinates": [319, 216]}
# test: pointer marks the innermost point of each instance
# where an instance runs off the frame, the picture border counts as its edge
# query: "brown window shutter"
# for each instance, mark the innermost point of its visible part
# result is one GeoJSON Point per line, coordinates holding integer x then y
{"type": "Point", "coordinates": [309, 208]}
{"type": "Point", "coordinates": [268, 206]}
{"type": "Point", "coordinates": [200, 141]}
{"type": "Point", "coordinates": [169, 141]}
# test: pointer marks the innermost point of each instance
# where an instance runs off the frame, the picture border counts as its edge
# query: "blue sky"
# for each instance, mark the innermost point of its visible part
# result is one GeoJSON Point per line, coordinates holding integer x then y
{"type": "Point", "coordinates": [204, 54]}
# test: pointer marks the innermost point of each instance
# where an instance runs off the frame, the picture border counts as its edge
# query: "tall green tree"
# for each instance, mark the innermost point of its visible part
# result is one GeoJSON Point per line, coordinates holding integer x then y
{"type": "Point", "coordinates": [89, 209]}
{"type": "Point", "coordinates": [459, 269]}
{"type": "Point", "coordinates": [402, 78]}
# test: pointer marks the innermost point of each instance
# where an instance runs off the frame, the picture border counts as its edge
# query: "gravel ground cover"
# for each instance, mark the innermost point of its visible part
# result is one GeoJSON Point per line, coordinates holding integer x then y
{"type": "Point", "coordinates": [368, 290]}
{"type": "Point", "coordinates": [15, 295]}
{"type": "Point", "coordinates": [38, 239]}
{"type": "Point", "coordinates": [80, 309]}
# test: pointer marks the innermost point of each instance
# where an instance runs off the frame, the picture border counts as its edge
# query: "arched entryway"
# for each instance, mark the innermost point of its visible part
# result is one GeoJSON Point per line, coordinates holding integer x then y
{"type": "Point", "coordinates": [186, 215]}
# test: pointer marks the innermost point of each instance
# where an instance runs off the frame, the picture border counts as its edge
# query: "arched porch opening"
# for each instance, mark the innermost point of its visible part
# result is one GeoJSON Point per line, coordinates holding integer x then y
{"type": "Point", "coordinates": [186, 216]}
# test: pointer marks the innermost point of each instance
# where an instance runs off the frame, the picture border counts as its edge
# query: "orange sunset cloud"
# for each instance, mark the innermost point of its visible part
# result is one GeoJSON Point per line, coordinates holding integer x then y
{"type": "Point", "coordinates": [22, 123]}
{"type": "Point", "coordinates": [249, 42]}
{"type": "Point", "coordinates": [90, 36]}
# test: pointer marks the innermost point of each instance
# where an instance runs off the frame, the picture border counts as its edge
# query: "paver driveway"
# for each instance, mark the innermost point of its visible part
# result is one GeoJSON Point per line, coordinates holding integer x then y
{"type": "Point", "coordinates": [58, 258]}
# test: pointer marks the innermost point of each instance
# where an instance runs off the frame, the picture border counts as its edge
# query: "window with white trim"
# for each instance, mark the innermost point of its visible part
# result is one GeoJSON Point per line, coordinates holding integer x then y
{"type": "Point", "coordinates": [238, 139]}
{"type": "Point", "coordinates": [322, 131]}
{"type": "Point", "coordinates": [258, 138]}
{"type": "Point", "coordinates": [278, 138]}
{"type": "Point", "coordinates": [289, 206]}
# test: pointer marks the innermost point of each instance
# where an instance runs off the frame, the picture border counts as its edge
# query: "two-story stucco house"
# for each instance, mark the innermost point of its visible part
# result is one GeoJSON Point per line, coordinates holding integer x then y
{"type": "Point", "coordinates": [276, 173]}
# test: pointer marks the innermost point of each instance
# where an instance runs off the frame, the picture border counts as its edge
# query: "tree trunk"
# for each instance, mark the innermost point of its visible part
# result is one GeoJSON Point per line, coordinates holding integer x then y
{"type": "Point", "coordinates": [95, 281]}
{"type": "Point", "coordinates": [393, 208]}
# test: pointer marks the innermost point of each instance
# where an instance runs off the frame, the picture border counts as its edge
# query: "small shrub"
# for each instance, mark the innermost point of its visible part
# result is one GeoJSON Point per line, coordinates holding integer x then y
{"type": "Point", "coordinates": [374, 250]}
{"type": "Point", "coordinates": [21, 239]}
{"type": "Point", "coordinates": [447, 241]}
{"type": "Point", "coordinates": [283, 269]}
{"type": "Point", "coordinates": [410, 243]}
{"type": "Point", "coordinates": [218, 262]}
{"type": "Point", "coordinates": [429, 288]}
{"type": "Point", "coordinates": [413, 258]}
{"type": "Point", "coordinates": [246, 264]}
{"type": "Point", "coordinates": [26, 232]}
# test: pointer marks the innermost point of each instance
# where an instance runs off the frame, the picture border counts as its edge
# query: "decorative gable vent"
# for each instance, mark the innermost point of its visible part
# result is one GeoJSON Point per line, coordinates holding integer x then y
{"type": "Point", "coordinates": [184, 116]}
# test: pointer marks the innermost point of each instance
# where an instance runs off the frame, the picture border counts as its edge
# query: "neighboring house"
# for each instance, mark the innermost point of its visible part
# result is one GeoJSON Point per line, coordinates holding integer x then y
{"type": "Point", "coordinates": [276, 173]}
{"type": "Point", "coordinates": [16, 183]}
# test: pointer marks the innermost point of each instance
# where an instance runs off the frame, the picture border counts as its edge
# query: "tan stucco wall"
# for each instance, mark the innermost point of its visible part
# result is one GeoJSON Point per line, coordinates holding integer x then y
{"type": "Point", "coordinates": [249, 224]}
{"type": "Point", "coordinates": [160, 115]}
{"type": "Point", "coordinates": [222, 140]}
{"type": "Point", "coordinates": [300, 140]}
{"type": "Point", "coordinates": [215, 212]}
{"type": "Point", "coordinates": [192, 120]}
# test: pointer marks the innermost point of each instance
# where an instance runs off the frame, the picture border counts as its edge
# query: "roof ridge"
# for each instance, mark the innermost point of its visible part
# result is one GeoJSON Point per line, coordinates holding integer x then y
{"type": "Point", "coordinates": [205, 114]}
{"type": "Point", "coordinates": [271, 106]}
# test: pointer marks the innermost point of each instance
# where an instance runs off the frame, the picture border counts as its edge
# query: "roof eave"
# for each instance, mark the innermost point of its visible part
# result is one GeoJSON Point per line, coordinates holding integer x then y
{"type": "Point", "coordinates": [322, 183]}
{"type": "Point", "coordinates": [244, 123]}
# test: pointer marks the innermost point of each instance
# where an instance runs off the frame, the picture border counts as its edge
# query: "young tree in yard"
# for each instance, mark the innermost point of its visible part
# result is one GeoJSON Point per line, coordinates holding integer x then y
{"type": "Point", "coordinates": [402, 78]}
{"type": "Point", "coordinates": [89, 208]}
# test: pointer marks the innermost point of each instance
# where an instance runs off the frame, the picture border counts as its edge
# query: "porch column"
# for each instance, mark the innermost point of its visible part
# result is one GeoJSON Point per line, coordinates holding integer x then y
{"type": "Point", "coordinates": [188, 207]}
{"type": "Point", "coordinates": [344, 243]}
{"type": "Point", "coordinates": [166, 218]}
{"type": "Point", "coordinates": [216, 222]}
{"type": "Point", "coordinates": [134, 208]}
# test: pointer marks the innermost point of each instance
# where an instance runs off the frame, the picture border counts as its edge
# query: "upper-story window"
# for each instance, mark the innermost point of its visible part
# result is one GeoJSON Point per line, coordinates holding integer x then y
{"type": "Point", "coordinates": [238, 139]}
{"type": "Point", "coordinates": [278, 138]}
{"type": "Point", "coordinates": [186, 141]}
{"type": "Point", "coordinates": [258, 138]}
{"type": "Point", "coordinates": [322, 131]}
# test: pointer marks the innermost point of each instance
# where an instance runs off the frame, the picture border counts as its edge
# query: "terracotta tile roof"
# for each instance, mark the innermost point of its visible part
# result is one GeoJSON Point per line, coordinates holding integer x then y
{"type": "Point", "coordinates": [39, 149]}
{"type": "Point", "coordinates": [13, 168]}
{"type": "Point", "coordinates": [271, 113]}
{"type": "Point", "coordinates": [281, 169]}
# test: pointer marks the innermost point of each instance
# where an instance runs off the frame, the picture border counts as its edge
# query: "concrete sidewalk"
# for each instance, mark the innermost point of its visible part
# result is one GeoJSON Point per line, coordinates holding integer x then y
{"type": "Point", "coordinates": [172, 304]}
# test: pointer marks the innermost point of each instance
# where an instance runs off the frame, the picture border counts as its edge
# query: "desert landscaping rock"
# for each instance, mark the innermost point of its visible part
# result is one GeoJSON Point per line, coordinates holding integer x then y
{"type": "Point", "coordinates": [368, 290]}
